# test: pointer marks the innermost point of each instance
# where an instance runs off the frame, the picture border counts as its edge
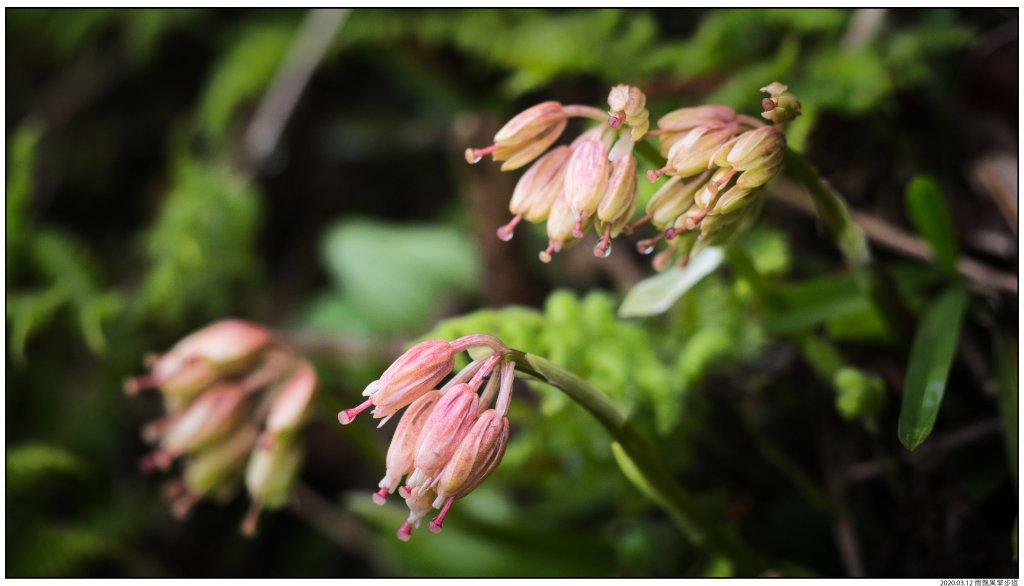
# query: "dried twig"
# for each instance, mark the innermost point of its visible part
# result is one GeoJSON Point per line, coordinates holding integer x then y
{"type": "Point", "coordinates": [898, 240]}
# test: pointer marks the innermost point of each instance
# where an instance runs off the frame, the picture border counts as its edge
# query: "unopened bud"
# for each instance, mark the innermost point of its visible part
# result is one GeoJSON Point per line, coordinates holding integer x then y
{"type": "Point", "coordinates": [220, 465]}
{"type": "Point", "coordinates": [628, 104]}
{"type": "Point", "coordinates": [673, 199]}
{"type": "Point", "coordinates": [292, 401]}
{"type": "Point", "coordinates": [271, 472]}
{"type": "Point", "coordinates": [757, 148]}
{"type": "Point", "coordinates": [449, 421]}
{"type": "Point", "coordinates": [402, 451]}
{"type": "Point", "coordinates": [781, 105]}
{"type": "Point", "coordinates": [209, 417]}
{"type": "Point", "coordinates": [676, 124]}
{"type": "Point", "coordinates": [619, 200]}
{"type": "Point", "coordinates": [540, 186]}
{"type": "Point", "coordinates": [692, 154]}
{"type": "Point", "coordinates": [585, 181]}
{"type": "Point", "coordinates": [411, 376]}
{"type": "Point", "coordinates": [476, 457]}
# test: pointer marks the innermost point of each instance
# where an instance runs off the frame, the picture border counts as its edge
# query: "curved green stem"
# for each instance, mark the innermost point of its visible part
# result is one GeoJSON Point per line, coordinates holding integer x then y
{"type": "Point", "coordinates": [642, 466]}
{"type": "Point", "coordinates": [853, 245]}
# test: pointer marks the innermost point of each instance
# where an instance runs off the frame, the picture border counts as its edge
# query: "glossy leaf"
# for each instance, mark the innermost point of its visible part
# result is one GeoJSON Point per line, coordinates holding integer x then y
{"type": "Point", "coordinates": [656, 294]}
{"type": "Point", "coordinates": [931, 357]}
{"type": "Point", "coordinates": [930, 218]}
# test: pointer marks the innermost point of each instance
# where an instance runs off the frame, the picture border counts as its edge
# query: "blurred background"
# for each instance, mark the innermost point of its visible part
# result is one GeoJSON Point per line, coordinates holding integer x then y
{"type": "Point", "coordinates": [166, 168]}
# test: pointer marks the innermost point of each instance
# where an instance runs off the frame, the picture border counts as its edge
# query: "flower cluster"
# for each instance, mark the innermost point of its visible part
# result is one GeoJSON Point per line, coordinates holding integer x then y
{"type": "Point", "coordinates": [716, 160]}
{"type": "Point", "coordinates": [235, 397]}
{"type": "Point", "coordinates": [450, 438]}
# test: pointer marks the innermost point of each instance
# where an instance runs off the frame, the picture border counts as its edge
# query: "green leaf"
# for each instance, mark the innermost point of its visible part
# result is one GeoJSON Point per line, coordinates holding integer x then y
{"type": "Point", "coordinates": [805, 305]}
{"type": "Point", "coordinates": [29, 312]}
{"type": "Point", "coordinates": [931, 357]}
{"type": "Point", "coordinates": [930, 217]}
{"type": "Point", "coordinates": [391, 277]}
{"type": "Point", "coordinates": [30, 463]}
{"type": "Point", "coordinates": [656, 294]}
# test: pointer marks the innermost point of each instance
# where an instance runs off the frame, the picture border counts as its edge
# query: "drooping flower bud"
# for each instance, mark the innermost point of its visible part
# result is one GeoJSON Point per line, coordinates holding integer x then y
{"type": "Point", "coordinates": [408, 378]}
{"type": "Point", "coordinates": [585, 179]}
{"type": "Point", "coordinates": [757, 148]}
{"type": "Point", "coordinates": [537, 190]}
{"type": "Point", "coordinates": [476, 457]}
{"type": "Point", "coordinates": [691, 155]}
{"type": "Point", "coordinates": [293, 400]}
{"type": "Point", "coordinates": [673, 199]}
{"type": "Point", "coordinates": [678, 123]}
{"type": "Point", "coordinates": [525, 136]}
{"type": "Point", "coordinates": [448, 423]}
{"type": "Point", "coordinates": [211, 416]}
{"type": "Point", "coordinates": [216, 467]}
{"type": "Point", "coordinates": [222, 348]}
{"type": "Point", "coordinates": [628, 104]}
{"type": "Point", "coordinates": [402, 451]}
{"type": "Point", "coordinates": [617, 204]}
{"type": "Point", "coordinates": [560, 227]}
{"type": "Point", "coordinates": [781, 105]}
{"type": "Point", "coordinates": [269, 477]}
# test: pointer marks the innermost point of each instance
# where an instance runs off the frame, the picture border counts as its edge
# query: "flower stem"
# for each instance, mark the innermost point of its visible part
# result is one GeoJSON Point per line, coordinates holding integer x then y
{"type": "Point", "coordinates": [853, 245]}
{"type": "Point", "coordinates": [645, 470]}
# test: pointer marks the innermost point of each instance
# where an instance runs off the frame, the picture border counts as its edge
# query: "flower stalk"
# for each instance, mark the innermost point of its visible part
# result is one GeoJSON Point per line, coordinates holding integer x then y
{"type": "Point", "coordinates": [654, 479]}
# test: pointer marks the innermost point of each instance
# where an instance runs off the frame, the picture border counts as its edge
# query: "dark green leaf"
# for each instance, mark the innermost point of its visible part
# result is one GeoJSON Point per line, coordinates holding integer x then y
{"type": "Point", "coordinates": [931, 357]}
{"type": "Point", "coordinates": [29, 464]}
{"type": "Point", "coordinates": [930, 217]}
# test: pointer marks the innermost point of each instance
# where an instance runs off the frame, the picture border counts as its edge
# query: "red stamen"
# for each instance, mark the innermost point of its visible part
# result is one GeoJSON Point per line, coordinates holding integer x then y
{"type": "Point", "coordinates": [603, 248]}
{"type": "Point", "coordinates": [473, 156]}
{"type": "Point", "coordinates": [405, 531]}
{"type": "Point", "coordinates": [615, 120]}
{"type": "Point", "coordinates": [140, 383]}
{"type": "Point", "coordinates": [647, 246]}
{"type": "Point", "coordinates": [381, 496]}
{"type": "Point", "coordinates": [577, 230]}
{"type": "Point", "coordinates": [508, 230]}
{"type": "Point", "coordinates": [349, 415]}
{"type": "Point", "coordinates": [437, 522]}
{"type": "Point", "coordinates": [628, 228]}
{"type": "Point", "coordinates": [653, 174]}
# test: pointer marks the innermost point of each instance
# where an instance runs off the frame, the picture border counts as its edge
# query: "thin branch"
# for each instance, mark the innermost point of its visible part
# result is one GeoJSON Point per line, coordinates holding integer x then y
{"type": "Point", "coordinates": [306, 52]}
{"type": "Point", "coordinates": [898, 240]}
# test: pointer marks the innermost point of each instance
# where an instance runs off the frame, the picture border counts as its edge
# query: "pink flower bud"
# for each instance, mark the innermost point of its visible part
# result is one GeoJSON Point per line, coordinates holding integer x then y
{"type": "Point", "coordinates": [676, 124]}
{"type": "Point", "coordinates": [781, 105]}
{"type": "Point", "coordinates": [757, 148]}
{"type": "Point", "coordinates": [476, 457]}
{"type": "Point", "coordinates": [448, 423]}
{"type": "Point", "coordinates": [691, 155]}
{"type": "Point", "coordinates": [292, 401]}
{"type": "Point", "coordinates": [402, 451]}
{"type": "Point", "coordinates": [529, 124]}
{"type": "Point", "coordinates": [272, 471]}
{"type": "Point", "coordinates": [408, 378]}
{"type": "Point", "coordinates": [673, 199]}
{"type": "Point", "coordinates": [209, 417]}
{"type": "Point", "coordinates": [220, 465]}
{"type": "Point", "coordinates": [540, 186]}
{"type": "Point", "coordinates": [585, 180]}
{"type": "Point", "coordinates": [619, 199]}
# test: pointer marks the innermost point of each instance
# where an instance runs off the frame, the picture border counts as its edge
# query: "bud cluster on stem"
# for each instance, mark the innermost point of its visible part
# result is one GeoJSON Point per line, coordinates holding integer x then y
{"type": "Point", "coordinates": [451, 437]}
{"type": "Point", "coordinates": [236, 397]}
{"type": "Point", "coordinates": [717, 163]}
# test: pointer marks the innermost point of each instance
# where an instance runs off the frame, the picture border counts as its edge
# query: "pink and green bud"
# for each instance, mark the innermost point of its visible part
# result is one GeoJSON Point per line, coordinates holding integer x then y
{"type": "Point", "coordinates": [525, 136]}
{"type": "Point", "coordinates": [585, 180]}
{"type": "Point", "coordinates": [222, 348]}
{"type": "Point", "coordinates": [757, 148]}
{"type": "Point", "coordinates": [537, 190]}
{"type": "Point", "coordinates": [617, 204]}
{"type": "Point", "coordinates": [734, 199]}
{"type": "Point", "coordinates": [628, 104]}
{"type": "Point", "coordinates": [402, 451]}
{"type": "Point", "coordinates": [208, 418]}
{"type": "Point", "coordinates": [676, 124]}
{"type": "Point", "coordinates": [693, 153]}
{"type": "Point", "coordinates": [560, 227]}
{"type": "Point", "coordinates": [221, 464]}
{"type": "Point", "coordinates": [781, 105]}
{"type": "Point", "coordinates": [449, 421]}
{"type": "Point", "coordinates": [476, 457]}
{"type": "Point", "coordinates": [411, 376]}
{"type": "Point", "coordinates": [673, 199]}
{"type": "Point", "coordinates": [293, 400]}
{"type": "Point", "coordinates": [269, 478]}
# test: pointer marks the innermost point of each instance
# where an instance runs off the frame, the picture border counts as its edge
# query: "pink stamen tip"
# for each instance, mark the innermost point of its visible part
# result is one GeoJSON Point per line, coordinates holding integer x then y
{"type": "Point", "coordinates": [381, 496]}
{"type": "Point", "coordinates": [615, 121]}
{"type": "Point", "coordinates": [438, 522]}
{"type": "Point", "coordinates": [405, 531]}
{"type": "Point", "coordinates": [671, 233]}
{"type": "Point", "coordinates": [473, 156]}
{"type": "Point", "coordinates": [507, 231]}
{"type": "Point", "coordinates": [545, 255]}
{"type": "Point", "coordinates": [767, 104]}
{"type": "Point", "coordinates": [348, 415]}
{"type": "Point", "coordinates": [251, 519]}
{"type": "Point", "coordinates": [654, 174]}
{"type": "Point", "coordinates": [140, 383]}
{"type": "Point", "coordinates": [405, 491]}
{"type": "Point", "coordinates": [577, 231]}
